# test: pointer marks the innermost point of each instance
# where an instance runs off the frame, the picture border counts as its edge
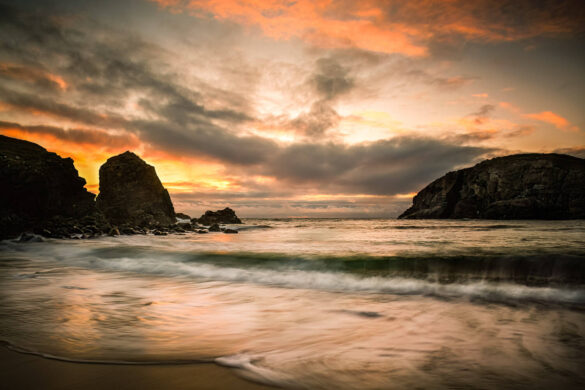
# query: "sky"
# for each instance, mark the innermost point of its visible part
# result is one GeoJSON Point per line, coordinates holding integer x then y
{"type": "Point", "coordinates": [294, 108]}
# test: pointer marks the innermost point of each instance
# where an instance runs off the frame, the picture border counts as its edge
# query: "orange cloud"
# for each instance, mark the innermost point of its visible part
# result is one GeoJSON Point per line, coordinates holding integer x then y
{"type": "Point", "coordinates": [390, 26]}
{"type": "Point", "coordinates": [30, 74]}
{"type": "Point", "coordinates": [554, 119]}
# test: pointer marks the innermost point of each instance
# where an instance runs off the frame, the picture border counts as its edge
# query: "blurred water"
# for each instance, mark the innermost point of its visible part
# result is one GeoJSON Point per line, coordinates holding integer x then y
{"type": "Point", "coordinates": [315, 303]}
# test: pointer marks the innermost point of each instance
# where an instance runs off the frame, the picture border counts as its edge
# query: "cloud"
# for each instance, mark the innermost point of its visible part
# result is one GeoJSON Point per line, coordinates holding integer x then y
{"type": "Point", "coordinates": [78, 136]}
{"type": "Point", "coordinates": [442, 83]}
{"type": "Point", "coordinates": [482, 115]}
{"type": "Point", "coordinates": [578, 151]}
{"type": "Point", "coordinates": [40, 77]}
{"type": "Point", "coordinates": [124, 92]}
{"type": "Point", "coordinates": [331, 79]}
{"type": "Point", "coordinates": [554, 119]}
{"type": "Point", "coordinates": [386, 167]}
{"type": "Point", "coordinates": [410, 28]}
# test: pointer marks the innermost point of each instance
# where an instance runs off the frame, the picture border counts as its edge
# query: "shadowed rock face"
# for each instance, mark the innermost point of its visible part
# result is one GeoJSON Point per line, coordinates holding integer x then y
{"type": "Point", "coordinates": [36, 185]}
{"type": "Point", "coordinates": [523, 186]}
{"type": "Point", "coordinates": [226, 215]}
{"type": "Point", "coordinates": [131, 193]}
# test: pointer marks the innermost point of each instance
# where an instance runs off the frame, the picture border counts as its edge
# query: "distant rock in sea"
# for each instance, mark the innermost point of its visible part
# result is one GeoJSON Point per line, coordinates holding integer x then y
{"type": "Point", "coordinates": [38, 188]}
{"type": "Point", "coordinates": [226, 215]}
{"type": "Point", "coordinates": [131, 193]}
{"type": "Point", "coordinates": [182, 216]}
{"type": "Point", "coordinates": [522, 186]}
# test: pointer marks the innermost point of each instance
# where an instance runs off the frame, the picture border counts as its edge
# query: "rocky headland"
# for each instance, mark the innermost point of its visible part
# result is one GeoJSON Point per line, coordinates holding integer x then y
{"type": "Point", "coordinates": [522, 186]}
{"type": "Point", "coordinates": [42, 193]}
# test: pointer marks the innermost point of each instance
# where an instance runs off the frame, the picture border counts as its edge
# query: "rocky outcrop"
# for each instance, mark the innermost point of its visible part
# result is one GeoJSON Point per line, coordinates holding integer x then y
{"type": "Point", "coordinates": [41, 191]}
{"type": "Point", "coordinates": [226, 215]}
{"type": "Point", "coordinates": [132, 194]}
{"type": "Point", "coordinates": [523, 186]}
{"type": "Point", "coordinates": [183, 216]}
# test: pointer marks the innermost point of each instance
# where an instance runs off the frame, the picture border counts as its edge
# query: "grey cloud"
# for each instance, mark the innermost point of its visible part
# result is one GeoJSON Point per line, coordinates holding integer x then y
{"type": "Point", "coordinates": [386, 167]}
{"type": "Point", "coordinates": [331, 79]}
{"type": "Point", "coordinates": [317, 121]}
{"type": "Point", "coordinates": [482, 115]}
{"type": "Point", "coordinates": [85, 136]}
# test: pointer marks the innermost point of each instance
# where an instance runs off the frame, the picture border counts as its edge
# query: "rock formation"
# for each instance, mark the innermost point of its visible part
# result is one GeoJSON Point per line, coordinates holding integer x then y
{"type": "Point", "coordinates": [39, 188]}
{"type": "Point", "coordinates": [132, 194]}
{"type": "Point", "coordinates": [226, 215]}
{"type": "Point", "coordinates": [523, 186]}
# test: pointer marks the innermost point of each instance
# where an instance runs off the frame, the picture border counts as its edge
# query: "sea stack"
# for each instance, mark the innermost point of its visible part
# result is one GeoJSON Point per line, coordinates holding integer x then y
{"type": "Point", "coordinates": [131, 193]}
{"type": "Point", "coordinates": [522, 186]}
{"type": "Point", "coordinates": [38, 186]}
{"type": "Point", "coordinates": [226, 215]}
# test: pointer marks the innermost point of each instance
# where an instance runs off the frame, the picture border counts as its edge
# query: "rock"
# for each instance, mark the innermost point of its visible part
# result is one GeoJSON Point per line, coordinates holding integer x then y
{"type": "Point", "coordinates": [38, 185]}
{"type": "Point", "coordinates": [183, 216]}
{"type": "Point", "coordinates": [29, 237]}
{"type": "Point", "coordinates": [114, 232]}
{"type": "Point", "coordinates": [202, 231]}
{"type": "Point", "coordinates": [159, 233]}
{"type": "Point", "coordinates": [214, 228]}
{"type": "Point", "coordinates": [131, 192]}
{"type": "Point", "coordinates": [185, 226]}
{"type": "Point", "coordinates": [230, 231]}
{"type": "Point", "coordinates": [522, 186]}
{"type": "Point", "coordinates": [226, 215]}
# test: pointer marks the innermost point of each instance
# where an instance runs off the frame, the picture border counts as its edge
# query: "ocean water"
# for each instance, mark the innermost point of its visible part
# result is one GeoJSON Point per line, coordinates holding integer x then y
{"type": "Point", "coordinates": [315, 303]}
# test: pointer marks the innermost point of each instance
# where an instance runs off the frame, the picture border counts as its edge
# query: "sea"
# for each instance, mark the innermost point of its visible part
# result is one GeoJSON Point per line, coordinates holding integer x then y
{"type": "Point", "coordinates": [314, 303]}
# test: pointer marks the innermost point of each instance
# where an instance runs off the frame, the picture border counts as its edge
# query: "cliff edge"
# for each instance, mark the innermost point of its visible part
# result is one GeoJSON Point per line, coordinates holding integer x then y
{"type": "Point", "coordinates": [521, 186]}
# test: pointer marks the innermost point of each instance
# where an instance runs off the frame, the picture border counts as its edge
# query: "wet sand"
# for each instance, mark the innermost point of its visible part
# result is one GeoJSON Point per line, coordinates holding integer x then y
{"type": "Point", "coordinates": [23, 371]}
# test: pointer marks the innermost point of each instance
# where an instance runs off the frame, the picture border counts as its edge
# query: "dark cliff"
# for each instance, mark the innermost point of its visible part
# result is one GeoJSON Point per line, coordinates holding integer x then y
{"type": "Point", "coordinates": [37, 186]}
{"type": "Point", "coordinates": [522, 186]}
{"type": "Point", "coordinates": [131, 193]}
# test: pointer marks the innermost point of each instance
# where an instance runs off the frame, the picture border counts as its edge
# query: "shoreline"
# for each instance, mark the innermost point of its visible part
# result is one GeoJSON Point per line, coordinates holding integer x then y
{"type": "Point", "coordinates": [21, 370]}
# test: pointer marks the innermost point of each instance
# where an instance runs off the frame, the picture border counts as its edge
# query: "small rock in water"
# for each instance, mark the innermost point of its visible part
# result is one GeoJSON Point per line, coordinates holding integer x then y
{"type": "Point", "coordinates": [214, 228]}
{"type": "Point", "coordinates": [29, 237]}
{"type": "Point", "coordinates": [202, 231]}
{"type": "Point", "coordinates": [230, 231]}
{"type": "Point", "coordinates": [159, 233]}
{"type": "Point", "coordinates": [114, 232]}
{"type": "Point", "coordinates": [226, 215]}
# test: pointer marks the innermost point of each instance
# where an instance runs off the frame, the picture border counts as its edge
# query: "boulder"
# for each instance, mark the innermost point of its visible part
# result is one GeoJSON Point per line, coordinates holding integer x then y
{"type": "Point", "coordinates": [38, 188]}
{"type": "Point", "coordinates": [226, 215]}
{"type": "Point", "coordinates": [230, 231]}
{"type": "Point", "coordinates": [214, 228]}
{"type": "Point", "coordinates": [131, 193]}
{"type": "Point", "coordinates": [522, 186]}
{"type": "Point", "coordinates": [182, 216]}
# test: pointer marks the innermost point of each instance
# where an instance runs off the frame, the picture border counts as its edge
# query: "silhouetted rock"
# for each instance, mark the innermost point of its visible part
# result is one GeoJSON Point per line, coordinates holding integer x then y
{"type": "Point", "coordinates": [39, 188]}
{"type": "Point", "coordinates": [226, 215]}
{"type": "Point", "coordinates": [214, 228]}
{"type": "Point", "coordinates": [230, 231]}
{"type": "Point", "coordinates": [523, 186]}
{"type": "Point", "coordinates": [131, 193]}
{"type": "Point", "coordinates": [182, 216]}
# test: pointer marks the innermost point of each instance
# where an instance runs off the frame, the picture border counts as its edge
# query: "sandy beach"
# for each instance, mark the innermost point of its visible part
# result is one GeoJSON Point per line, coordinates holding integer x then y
{"type": "Point", "coordinates": [20, 371]}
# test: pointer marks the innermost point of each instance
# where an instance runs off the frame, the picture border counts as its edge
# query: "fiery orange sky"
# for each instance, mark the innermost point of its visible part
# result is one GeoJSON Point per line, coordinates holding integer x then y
{"type": "Point", "coordinates": [294, 108]}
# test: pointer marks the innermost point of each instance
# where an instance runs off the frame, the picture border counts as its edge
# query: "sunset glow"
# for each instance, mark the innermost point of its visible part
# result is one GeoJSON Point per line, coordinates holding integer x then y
{"type": "Point", "coordinates": [278, 108]}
